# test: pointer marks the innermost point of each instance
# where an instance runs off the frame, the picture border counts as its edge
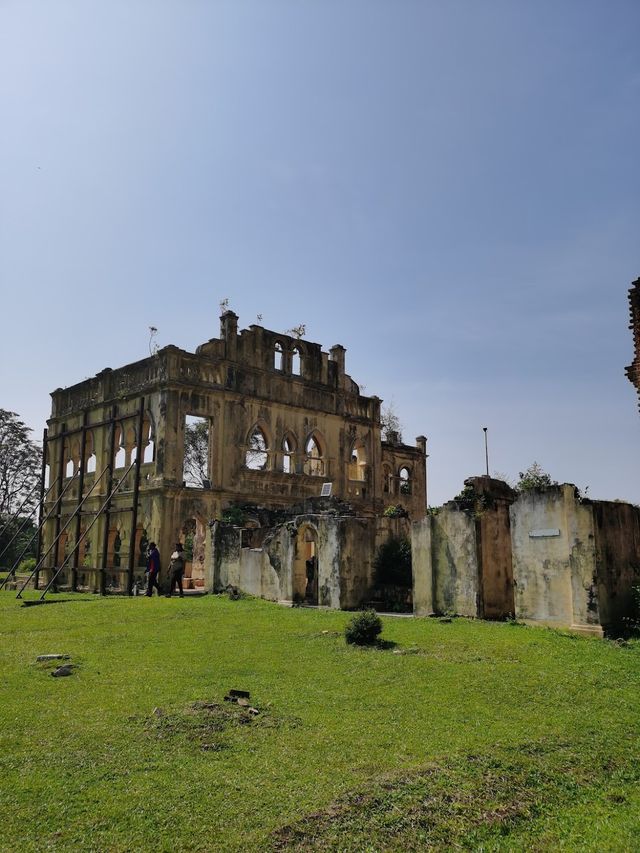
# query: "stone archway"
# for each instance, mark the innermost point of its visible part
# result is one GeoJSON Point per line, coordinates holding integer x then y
{"type": "Point", "coordinates": [305, 567]}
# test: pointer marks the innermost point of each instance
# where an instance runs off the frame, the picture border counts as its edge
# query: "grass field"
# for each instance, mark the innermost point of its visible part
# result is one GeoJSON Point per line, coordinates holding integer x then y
{"type": "Point", "coordinates": [455, 734]}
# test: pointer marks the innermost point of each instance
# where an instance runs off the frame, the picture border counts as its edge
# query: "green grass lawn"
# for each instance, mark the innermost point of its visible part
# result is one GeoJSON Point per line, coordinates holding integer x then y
{"type": "Point", "coordinates": [456, 734]}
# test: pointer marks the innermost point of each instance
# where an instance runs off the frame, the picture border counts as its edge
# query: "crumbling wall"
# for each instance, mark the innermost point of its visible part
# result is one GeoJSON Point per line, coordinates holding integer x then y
{"type": "Point", "coordinates": [445, 563]}
{"type": "Point", "coordinates": [617, 541]}
{"type": "Point", "coordinates": [554, 565]}
{"type": "Point", "coordinates": [493, 540]}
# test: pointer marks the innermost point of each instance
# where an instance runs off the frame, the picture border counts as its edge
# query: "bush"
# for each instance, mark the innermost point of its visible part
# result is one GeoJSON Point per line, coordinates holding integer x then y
{"type": "Point", "coordinates": [363, 629]}
{"type": "Point", "coordinates": [392, 563]}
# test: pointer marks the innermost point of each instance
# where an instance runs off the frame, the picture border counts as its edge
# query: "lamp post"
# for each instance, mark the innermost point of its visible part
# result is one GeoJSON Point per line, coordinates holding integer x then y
{"type": "Point", "coordinates": [486, 449]}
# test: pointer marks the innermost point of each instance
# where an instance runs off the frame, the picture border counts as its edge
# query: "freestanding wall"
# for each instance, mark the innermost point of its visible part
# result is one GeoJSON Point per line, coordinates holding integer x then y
{"type": "Point", "coordinates": [546, 556]}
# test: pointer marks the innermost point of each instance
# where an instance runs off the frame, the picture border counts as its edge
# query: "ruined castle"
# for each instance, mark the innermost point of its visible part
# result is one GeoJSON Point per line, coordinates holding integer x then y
{"type": "Point", "coordinates": [259, 452]}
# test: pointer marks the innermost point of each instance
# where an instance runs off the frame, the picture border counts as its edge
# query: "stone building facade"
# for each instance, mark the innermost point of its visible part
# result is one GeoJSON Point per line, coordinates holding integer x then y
{"type": "Point", "coordinates": [273, 420]}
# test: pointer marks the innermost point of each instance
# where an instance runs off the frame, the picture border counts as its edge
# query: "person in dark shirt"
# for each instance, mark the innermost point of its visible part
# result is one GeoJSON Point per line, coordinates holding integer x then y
{"type": "Point", "coordinates": [176, 569]}
{"type": "Point", "coordinates": [153, 569]}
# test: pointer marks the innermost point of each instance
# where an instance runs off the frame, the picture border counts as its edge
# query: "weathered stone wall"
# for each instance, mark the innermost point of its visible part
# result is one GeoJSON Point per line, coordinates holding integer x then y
{"type": "Point", "coordinates": [617, 540]}
{"type": "Point", "coordinates": [554, 564]}
{"type": "Point", "coordinates": [493, 535]}
{"type": "Point", "coordinates": [445, 563]}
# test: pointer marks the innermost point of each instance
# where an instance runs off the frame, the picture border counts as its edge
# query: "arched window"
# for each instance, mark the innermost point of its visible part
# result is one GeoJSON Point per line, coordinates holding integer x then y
{"type": "Point", "coordinates": [296, 362]}
{"type": "Point", "coordinates": [90, 455]}
{"type": "Point", "coordinates": [387, 479]}
{"type": "Point", "coordinates": [358, 461]}
{"type": "Point", "coordinates": [278, 356]}
{"type": "Point", "coordinates": [314, 462]}
{"type": "Point", "coordinates": [148, 443]}
{"type": "Point", "coordinates": [405, 481]}
{"type": "Point", "coordinates": [68, 471]}
{"type": "Point", "coordinates": [256, 457]}
{"type": "Point", "coordinates": [120, 451]}
{"type": "Point", "coordinates": [288, 449]}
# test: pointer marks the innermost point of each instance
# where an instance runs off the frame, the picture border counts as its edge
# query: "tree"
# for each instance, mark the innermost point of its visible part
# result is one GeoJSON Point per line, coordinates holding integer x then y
{"type": "Point", "coordinates": [390, 422]}
{"type": "Point", "coordinates": [20, 464]}
{"type": "Point", "coordinates": [196, 453]}
{"type": "Point", "coordinates": [534, 478]}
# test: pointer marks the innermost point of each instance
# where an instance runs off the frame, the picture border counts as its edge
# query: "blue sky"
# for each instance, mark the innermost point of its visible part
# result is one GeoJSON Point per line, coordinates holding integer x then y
{"type": "Point", "coordinates": [449, 189]}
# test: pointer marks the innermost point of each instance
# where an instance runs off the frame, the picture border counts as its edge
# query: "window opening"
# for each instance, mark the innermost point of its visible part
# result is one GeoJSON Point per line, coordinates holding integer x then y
{"type": "Point", "coordinates": [257, 456]}
{"type": "Point", "coordinates": [358, 462]}
{"type": "Point", "coordinates": [278, 356]}
{"type": "Point", "coordinates": [287, 456]}
{"type": "Point", "coordinates": [195, 471]}
{"type": "Point", "coordinates": [121, 454]}
{"type": "Point", "coordinates": [296, 362]}
{"type": "Point", "coordinates": [148, 443]}
{"type": "Point", "coordinates": [314, 463]}
{"type": "Point", "coordinates": [405, 481]}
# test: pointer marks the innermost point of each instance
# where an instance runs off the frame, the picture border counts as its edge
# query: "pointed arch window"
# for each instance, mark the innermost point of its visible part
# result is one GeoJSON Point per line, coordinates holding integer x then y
{"type": "Point", "coordinates": [296, 362]}
{"type": "Point", "coordinates": [358, 461]}
{"type": "Point", "coordinates": [314, 462]}
{"type": "Point", "coordinates": [90, 453]}
{"type": "Point", "coordinates": [404, 476]}
{"type": "Point", "coordinates": [288, 450]}
{"type": "Point", "coordinates": [256, 457]}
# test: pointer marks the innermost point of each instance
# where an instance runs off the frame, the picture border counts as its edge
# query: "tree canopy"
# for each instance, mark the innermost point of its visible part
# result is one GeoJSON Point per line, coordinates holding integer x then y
{"type": "Point", "coordinates": [20, 464]}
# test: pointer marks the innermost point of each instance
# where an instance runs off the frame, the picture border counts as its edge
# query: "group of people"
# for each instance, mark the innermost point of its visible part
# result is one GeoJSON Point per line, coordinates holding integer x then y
{"type": "Point", "coordinates": [176, 570]}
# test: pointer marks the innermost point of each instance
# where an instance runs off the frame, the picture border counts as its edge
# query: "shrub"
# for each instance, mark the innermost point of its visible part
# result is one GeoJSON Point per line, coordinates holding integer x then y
{"type": "Point", "coordinates": [27, 566]}
{"type": "Point", "coordinates": [392, 563]}
{"type": "Point", "coordinates": [233, 515]}
{"type": "Point", "coordinates": [395, 511]}
{"type": "Point", "coordinates": [534, 478]}
{"type": "Point", "coordinates": [363, 629]}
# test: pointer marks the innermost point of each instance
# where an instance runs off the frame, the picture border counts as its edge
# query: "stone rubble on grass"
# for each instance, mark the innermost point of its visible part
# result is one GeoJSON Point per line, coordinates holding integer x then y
{"type": "Point", "coordinates": [66, 669]}
{"type": "Point", "coordinates": [52, 657]}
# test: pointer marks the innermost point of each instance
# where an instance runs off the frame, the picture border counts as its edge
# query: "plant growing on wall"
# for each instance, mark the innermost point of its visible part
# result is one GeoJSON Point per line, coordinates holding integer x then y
{"type": "Point", "coordinates": [390, 422]}
{"type": "Point", "coordinates": [395, 511]}
{"type": "Point", "coordinates": [534, 478]}
{"type": "Point", "coordinates": [470, 501]}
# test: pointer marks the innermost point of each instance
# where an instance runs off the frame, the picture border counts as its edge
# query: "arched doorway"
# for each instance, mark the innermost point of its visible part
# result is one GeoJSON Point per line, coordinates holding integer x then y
{"type": "Point", "coordinates": [305, 567]}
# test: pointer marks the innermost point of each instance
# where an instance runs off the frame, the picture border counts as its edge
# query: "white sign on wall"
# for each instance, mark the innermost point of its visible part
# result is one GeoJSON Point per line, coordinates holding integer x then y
{"type": "Point", "coordinates": [544, 533]}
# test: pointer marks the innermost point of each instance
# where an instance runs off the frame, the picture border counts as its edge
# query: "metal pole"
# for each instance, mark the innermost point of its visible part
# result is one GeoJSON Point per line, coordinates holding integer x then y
{"type": "Point", "coordinates": [486, 449]}
{"type": "Point", "coordinates": [41, 507]}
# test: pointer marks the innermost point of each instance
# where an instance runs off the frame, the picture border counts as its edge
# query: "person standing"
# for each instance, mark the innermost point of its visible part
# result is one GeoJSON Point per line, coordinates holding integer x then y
{"type": "Point", "coordinates": [176, 569]}
{"type": "Point", "coordinates": [153, 569]}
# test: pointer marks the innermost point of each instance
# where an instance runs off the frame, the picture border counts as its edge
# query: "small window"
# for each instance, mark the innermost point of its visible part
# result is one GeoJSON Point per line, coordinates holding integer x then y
{"type": "Point", "coordinates": [405, 481]}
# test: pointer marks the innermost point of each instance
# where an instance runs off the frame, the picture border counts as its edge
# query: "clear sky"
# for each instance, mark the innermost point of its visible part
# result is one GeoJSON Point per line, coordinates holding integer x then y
{"type": "Point", "coordinates": [449, 189]}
